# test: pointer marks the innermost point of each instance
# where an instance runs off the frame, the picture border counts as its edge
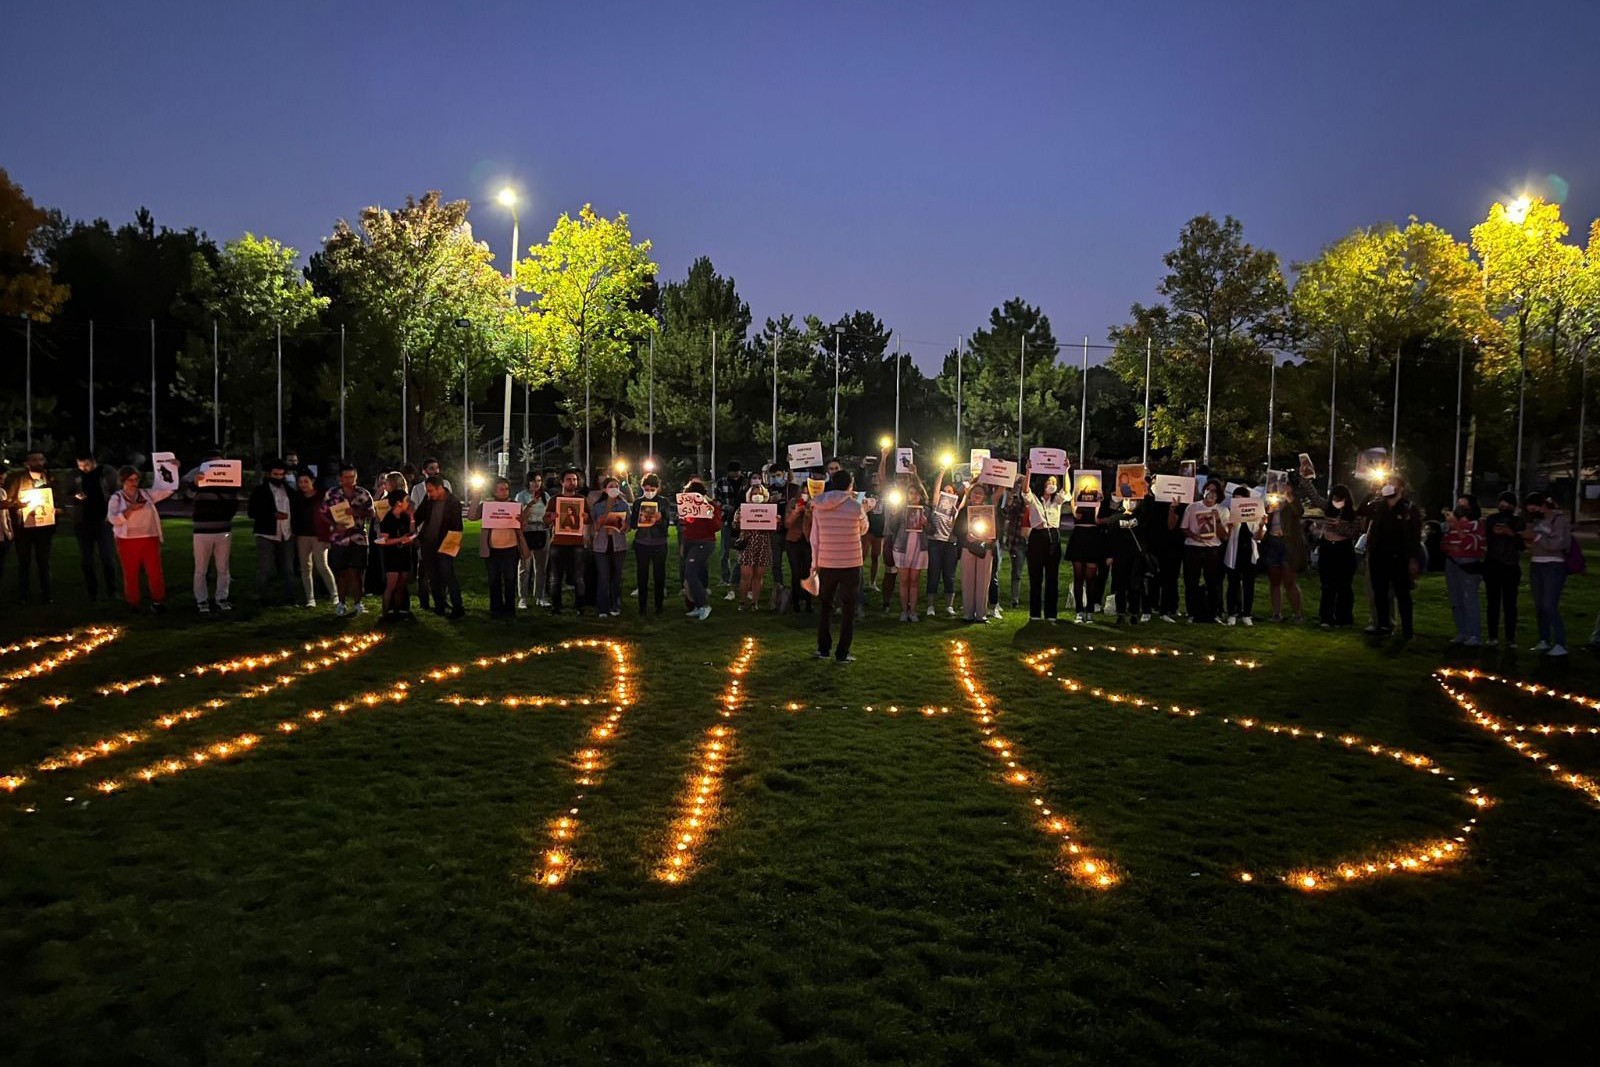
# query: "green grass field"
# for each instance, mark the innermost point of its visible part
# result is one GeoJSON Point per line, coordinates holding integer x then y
{"type": "Point", "coordinates": [867, 886]}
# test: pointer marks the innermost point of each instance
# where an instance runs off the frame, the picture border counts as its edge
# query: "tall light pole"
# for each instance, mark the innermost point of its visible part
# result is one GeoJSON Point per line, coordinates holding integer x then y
{"type": "Point", "coordinates": [650, 449]}
{"type": "Point", "coordinates": [713, 401]}
{"type": "Point", "coordinates": [1211, 367]}
{"type": "Point", "coordinates": [1583, 400]}
{"type": "Point", "coordinates": [280, 388]}
{"type": "Point", "coordinates": [216, 387]}
{"type": "Point", "coordinates": [508, 199]}
{"type": "Point", "coordinates": [960, 347]}
{"type": "Point", "coordinates": [838, 340]}
{"type": "Point", "coordinates": [1333, 414]}
{"type": "Point", "coordinates": [1394, 432]}
{"type": "Point", "coordinates": [466, 415]}
{"type": "Point", "coordinates": [1461, 364]}
{"type": "Point", "coordinates": [1147, 350]}
{"type": "Point", "coordinates": [1022, 378]}
{"type": "Point", "coordinates": [1272, 405]}
{"type": "Point", "coordinates": [776, 341]}
{"type": "Point", "coordinates": [897, 388]}
{"type": "Point", "coordinates": [27, 402]}
{"type": "Point", "coordinates": [152, 387]}
{"type": "Point", "coordinates": [341, 390]}
{"type": "Point", "coordinates": [1083, 407]}
{"type": "Point", "coordinates": [91, 386]}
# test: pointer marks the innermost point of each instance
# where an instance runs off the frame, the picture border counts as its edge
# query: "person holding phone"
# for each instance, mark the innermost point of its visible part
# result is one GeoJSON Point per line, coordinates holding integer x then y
{"type": "Point", "coordinates": [1549, 536]}
{"type": "Point", "coordinates": [907, 533]}
{"type": "Point", "coordinates": [1240, 560]}
{"type": "Point", "coordinates": [650, 518]}
{"type": "Point", "coordinates": [535, 535]}
{"type": "Point", "coordinates": [975, 534]}
{"type": "Point", "coordinates": [1394, 545]}
{"type": "Point", "coordinates": [1464, 548]}
{"type": "Point", "coordinates": [943, 552]}
{"type": "Point", "coordinates": [131, 511]}
{"type": "Point", "coordinates": [797, 546]}
{"type": "Point", "coordinates": [1283, 551]}
{"type": "Point", "coordinates": [1336, 552]}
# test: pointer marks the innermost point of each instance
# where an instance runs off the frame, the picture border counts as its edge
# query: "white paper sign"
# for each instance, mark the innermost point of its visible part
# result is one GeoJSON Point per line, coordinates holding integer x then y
{"type": "Point", "coordinates": [1048, 460]}
{"type": "Point", "coordinates": [1001, 472]}
{"type": "Point", "coordinates": [1173, 488]}
{"type": "Point", "coordinates": [223, 473]}
{"type": "Point", "coordinates": [978, 455]}
{"type": "Point", "coordinates": [805, 457]}
{"type": "Point", "coordinates": [1227, 490]}
{"type": "Point", "coordinates": [902, 461]}
{"type": "Point", "coordinates": [502, 515]}
{"type": "Point", "coordinates": [1246, 510]}
{"type": "Point", "coordinates": [758, 516]}
{"type": "Point", "coordinates": [164, 472]}
{"type": "Point", "coordinates": [696, 506]}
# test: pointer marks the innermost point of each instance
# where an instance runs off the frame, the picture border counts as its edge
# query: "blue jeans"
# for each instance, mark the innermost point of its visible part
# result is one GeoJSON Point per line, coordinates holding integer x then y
{"type": "Point", "coordinates": [696, 570]}
{"type": "Point", "coordinates": [608, 591]}
{"type": "Point", "coordinates": [1462, 585]}
{"type": "Point", "coordinates": [941, 567]}
{"type": "Point", "coordinates": [503, 580]}
{"type": "Point", "coordinates": [1545, 581]}
{"type": "Point", "coordinates": [730, 558]}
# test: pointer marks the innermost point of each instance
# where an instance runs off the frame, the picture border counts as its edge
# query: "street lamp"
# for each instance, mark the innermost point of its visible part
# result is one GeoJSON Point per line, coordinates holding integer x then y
{"type": "Point", "coordinates": [507, 198]}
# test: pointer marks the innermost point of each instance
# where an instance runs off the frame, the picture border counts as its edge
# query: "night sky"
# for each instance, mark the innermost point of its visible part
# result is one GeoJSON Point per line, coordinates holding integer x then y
{"type": "Point", "coordinates": [922, 161]}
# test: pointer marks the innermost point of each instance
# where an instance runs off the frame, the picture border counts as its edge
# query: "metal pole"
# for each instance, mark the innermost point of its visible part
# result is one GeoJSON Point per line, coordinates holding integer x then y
{"type": "Point", "coordinates": [897, 388]}
{"type": "Point", "coordinates": [1394, 433]}
{"type": "Point", "coordinates": [27, 326]}
{"type": "Point", "coordinates": [960, 346]}
{"type": "Point", "coordinates": [341, 390]}
{"type": "Point", "coordinates": [1522, 390]}
{"type": "Point", "coordinates": [1211, 366]}
{"type": "Point", "coordinates": [1461, 355]}
{"type": "Point", "coordinates": [280, 388]}
{"type": "Point", "coordinates": [1147, 349]}
{"type": "Point", "coordinates": [837, 337]}
{"type": "Point", "coordinates": [91, 385]}
{"type": "Point", "coordinates": [1272, 405]}
{"type": "Point", "coordinates": [405, 411]}
{"type": "Point", "coordinates": [713, 402]}
{"type": "Point", "coordinates": [588, 455]}
{"type": "Point", "coordinates": [216, 387]}
{"type": "Point", "coordinates": [1022, 373]}
{"type": "Point", "coordinates": [1083, 407]}
{"type": "Point", "coordinates": [466, 448]}
{"type": "Point", "coordinates": [504, 466]}
{"type": "Point", "coordinates": [152, 387]}
{"type": "Point", "coordinates": [776, 341]}
{"type": "Point", "coordinates": [1583, 399]}
{"type": "Point", "coordinates": [1333, 412]}
{"type": "Point", "coordinates": [652, 445]}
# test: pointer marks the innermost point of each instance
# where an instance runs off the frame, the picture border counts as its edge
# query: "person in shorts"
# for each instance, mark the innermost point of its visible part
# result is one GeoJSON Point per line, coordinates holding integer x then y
{"type": "Point", "coordinates": [347, 507]}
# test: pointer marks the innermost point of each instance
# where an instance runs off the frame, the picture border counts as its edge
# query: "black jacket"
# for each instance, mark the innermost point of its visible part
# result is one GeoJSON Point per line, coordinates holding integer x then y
{"type": "Point", "coordinates": [452, 520]}
{"type": "Point", "coordinates": [263, 510]}
{"type": "Point", "coordinates": [91, 514]}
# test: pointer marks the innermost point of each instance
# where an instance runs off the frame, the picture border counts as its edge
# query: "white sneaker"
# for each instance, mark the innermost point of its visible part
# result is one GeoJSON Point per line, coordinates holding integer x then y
{"type": "Point", "coordinates": [932, 611]}
{"type": "Point", "coordinates": [998, 613]}
{"type": "Point", "coordinates": [358, 609]}
{"type": "Point", "coordinates": [731, 595]}
{"type": "Point", "coordinates": [1471, 642]}
{"type": "Point", "coordinates": [1168, 618]}
{"type": "Point", "coordinates": [311, 602]}
{"type": "Point", "coordinates": [1145, 617]}
{"type": "Point", "coordinates": [1458, 640]}
{"type": "Point", "coordinates": [950, 610]}
{"type": "Point", "coordinates": [1493, 642]}
{"type": "Point", "coordinates": [339, 608]}
{"type": "Point", "coordinates": [1542, 646]}
{"type": "Point", "coordinates": [223, 605]}
{"type": "Point", "coordinates": [205, 607]}
{"type": "Point", "coordinates": [522, 603]}
{"type": "Point", "coordinates": [704, 613]}
{"type": "Point", "coordinates": [1229, 620]}
{"type": "Point", "coordinates": [1035, 618]}
{"type": "Point", "coordinates": [1558, 650]}
{"type": "Point", "coordinates": [1247, 620]}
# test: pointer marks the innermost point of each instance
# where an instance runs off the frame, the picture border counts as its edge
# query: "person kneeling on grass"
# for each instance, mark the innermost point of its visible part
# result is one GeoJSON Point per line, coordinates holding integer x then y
{"type": "Point", "coordinates": [132, 514]}
{"type": "Point", "coordinates": [838, 522]}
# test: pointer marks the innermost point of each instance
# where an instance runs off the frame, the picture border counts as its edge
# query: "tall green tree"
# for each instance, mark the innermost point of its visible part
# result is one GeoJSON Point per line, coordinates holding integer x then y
{"type": "Point", "coordinates": [993, 380]}
{"type": "Point", "coordinates": [253, 290]}
{"type": "Point", "coordinates": [583, 327]}
{"type": "Point", "coordinates": [802, 414]}
{"type": "Point", "coordinates": [405, 277]}
{"type": "Point", "coordinates": [26, 287]}
{"type": "Point", "coordinates": [1224, 307]}
{"type": "Point", "coordinates": [691, 311]}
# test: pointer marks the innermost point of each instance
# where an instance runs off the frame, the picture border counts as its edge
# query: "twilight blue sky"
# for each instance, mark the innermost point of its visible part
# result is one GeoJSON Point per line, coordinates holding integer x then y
{"type": "Point", "coordinates": [922, 161]}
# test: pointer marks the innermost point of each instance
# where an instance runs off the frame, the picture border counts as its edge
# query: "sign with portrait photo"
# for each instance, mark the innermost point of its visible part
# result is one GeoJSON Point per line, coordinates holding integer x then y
{"type": "Point", "coordinates": [1132, 481]}
{"type": "Point", "coordinates": [1087, 490]}
{"type": "Point", "coordinates": [980, 521]}
{"type": "Point", "coordinates": [570, 517]}
{"type": "Point", "coordinates": [38, 507]}
{"type": "Point", "coordinates": [903, 461]}
{"type": "Point", "coordinates": [976, 458]}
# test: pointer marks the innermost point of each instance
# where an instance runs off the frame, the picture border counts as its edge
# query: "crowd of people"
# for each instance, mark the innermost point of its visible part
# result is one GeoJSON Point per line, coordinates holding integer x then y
{"type": "Point", "coordinates": [898, 542]}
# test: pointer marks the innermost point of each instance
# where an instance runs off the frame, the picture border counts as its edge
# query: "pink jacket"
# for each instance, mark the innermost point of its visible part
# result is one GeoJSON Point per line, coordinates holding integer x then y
{"type": "Point", "coordinates": [837, 526]}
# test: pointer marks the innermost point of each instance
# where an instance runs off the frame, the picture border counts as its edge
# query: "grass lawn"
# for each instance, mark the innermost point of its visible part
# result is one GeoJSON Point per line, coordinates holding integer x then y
{"type": "Point", "coordinates": [866, 886]}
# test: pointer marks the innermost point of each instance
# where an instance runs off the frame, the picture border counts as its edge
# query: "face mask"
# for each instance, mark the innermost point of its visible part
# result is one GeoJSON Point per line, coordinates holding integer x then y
{"type": "Point", "coordinates": [1338, 505]}
{"type": "Point", "coordinates": [1388, 490]}
{"type": "Point", "coordinates": [758, 498]}
{"type": "Point", "coordinates": [649, 494]}
{"type": "Point", "coordinates": [613, 492]}
{"type": "Point", "coordinates": [1211, 498]}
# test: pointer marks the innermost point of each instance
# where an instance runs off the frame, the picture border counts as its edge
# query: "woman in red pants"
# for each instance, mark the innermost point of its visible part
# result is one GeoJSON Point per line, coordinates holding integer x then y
{"type": "Point", "coordinates": [132, 515]}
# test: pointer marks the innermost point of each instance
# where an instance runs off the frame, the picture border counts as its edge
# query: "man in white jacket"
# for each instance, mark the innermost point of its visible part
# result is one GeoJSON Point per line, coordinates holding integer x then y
{"type": "Point", "coordinates": [838, 522]}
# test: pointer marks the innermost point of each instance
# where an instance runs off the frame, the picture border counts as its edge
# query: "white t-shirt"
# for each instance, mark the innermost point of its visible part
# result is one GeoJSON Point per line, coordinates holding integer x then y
{"type": "Point", "coordinates": [1202, 525]}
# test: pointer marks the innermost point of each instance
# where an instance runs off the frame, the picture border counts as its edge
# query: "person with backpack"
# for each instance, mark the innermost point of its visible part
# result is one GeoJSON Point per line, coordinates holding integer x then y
{"type": "Point", "coordinates": [1549, 540]}
{"type": "Point", "coordinates": [1464, 549]}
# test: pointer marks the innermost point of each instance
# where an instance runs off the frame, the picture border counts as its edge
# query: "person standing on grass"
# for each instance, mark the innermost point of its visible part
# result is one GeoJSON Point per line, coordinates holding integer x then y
{"type": "Point", "coordinates": [1394, 543]}
{"type": "Point", "coordinates": [1549, 536]}
{"type": "Point", "coordinates": [311, 536]}
{"type": "Point", "coordinates": [214, 509]}
{"type": "Point", "coordinates": [1041, 531]}
{"type": "Point", "coordinates": [838, 522]}
{"type": "Point", "coordinates": [650, 518]}
{"type": "Point", "coordinates": [89, 525]}
{"type": "Point", "coordinates": [778, 480]}
{"type": "Point", "coordinates": [609, 516]}
{"type": "Point", "coordinates": [269, 512]}
{"type": "Point", "coordinates": [566, 544]}
{"type": "Point", "coordinates": [1087, 549]}
{"type": "Point", "coordinates": [531, 570]}
{"type": "Point", "coordinates": [1128, 569]}
{"type": "Point", "coordinates": [501, 551]}
{"type": "Point", "coordinates": [755, 557]}
{"type": "Point", "coordinates": [1283, 552]}
{"type": "Point", "coordinates": [907, 532]}
{"type": "Point", "coordinates": [976, 537]}
{"type": "Point", "coordinates": [131, 512]}
{"type": "Point", "coordinates": [346, 509]}
{"type": "Point", "coordinates": [33, 539]}
{"type": "Point", "coordinates": [1502, 567]}
{"type": "Point", "coordinates": [1202, 554]}
{"type": "Point", "coordinates": [5, 529]}
{"type": "Point", "coordinates": [797, 545]}
{"type": "Point", "coordinates": [396, 533]}
{"type": "Point", "coordinates": [1336, 552]}
{"type": "Point", "coordinates": [418, 488]}
{"type": "Point", "coordinates": [1464, 548]}
{"type": "Point", "coordinates": [943, 553]}
{"type": "Point", "coordinates": [729, 492]}
{"type": "Point", "coordinates": [698, 537]}
{"type": "Point", "coordinates": [1240, 559]}
{"type": "Point", "coordinates": [440, 515]}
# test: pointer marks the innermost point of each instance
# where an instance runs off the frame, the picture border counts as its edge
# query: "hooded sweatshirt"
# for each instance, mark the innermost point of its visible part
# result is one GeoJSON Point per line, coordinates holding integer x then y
{"type": "Point", "coordinates": [837, 525]}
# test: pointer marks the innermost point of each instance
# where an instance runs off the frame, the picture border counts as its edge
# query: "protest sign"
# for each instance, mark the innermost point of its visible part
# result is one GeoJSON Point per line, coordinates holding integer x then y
{"type": "Point", "coordinates": [221, 473]}
{"type": "Point", "coordinates": [695, 506]}
{"type": "Point", "coordinates": [570, 516]}
{"type": "Point", "coordinates": [649, 514]}
{"type": "Point", "coordinates": [976, 458]}
{"type": "Point", "coordinates": [1001, 472]}
{"type": "Point", "coordinates": [980, 521]}
{"type": "Point", "coordinates": [1174, 488]}
{"type": "Point", "coordinates": [1246, 510]}
{"type": "Point", "coordinates": [1047, 460]}
{"type": "Point", "coordinates": [805, 457]}
{"type": "Point", "coordinates": [502, 515]}
{"type": "Point", "coordinates": [902, 461]}
{"type": "Point", "coordinates": [1132, 481]}
{"type": "Point", "coordinates": [341, 515]}
{"type": "Point", "coordinates": [38, 507]}
{"type": "Point", "coordinates": [758, 517]}
{"type": "Point", "coordinates": [164, 472]}
{"type": "Point", "coordinates": [450, 544]}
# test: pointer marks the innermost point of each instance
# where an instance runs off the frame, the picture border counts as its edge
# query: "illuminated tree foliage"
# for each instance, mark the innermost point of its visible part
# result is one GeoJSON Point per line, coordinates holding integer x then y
{"type": "Point", "coordinates": [26, 287]}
